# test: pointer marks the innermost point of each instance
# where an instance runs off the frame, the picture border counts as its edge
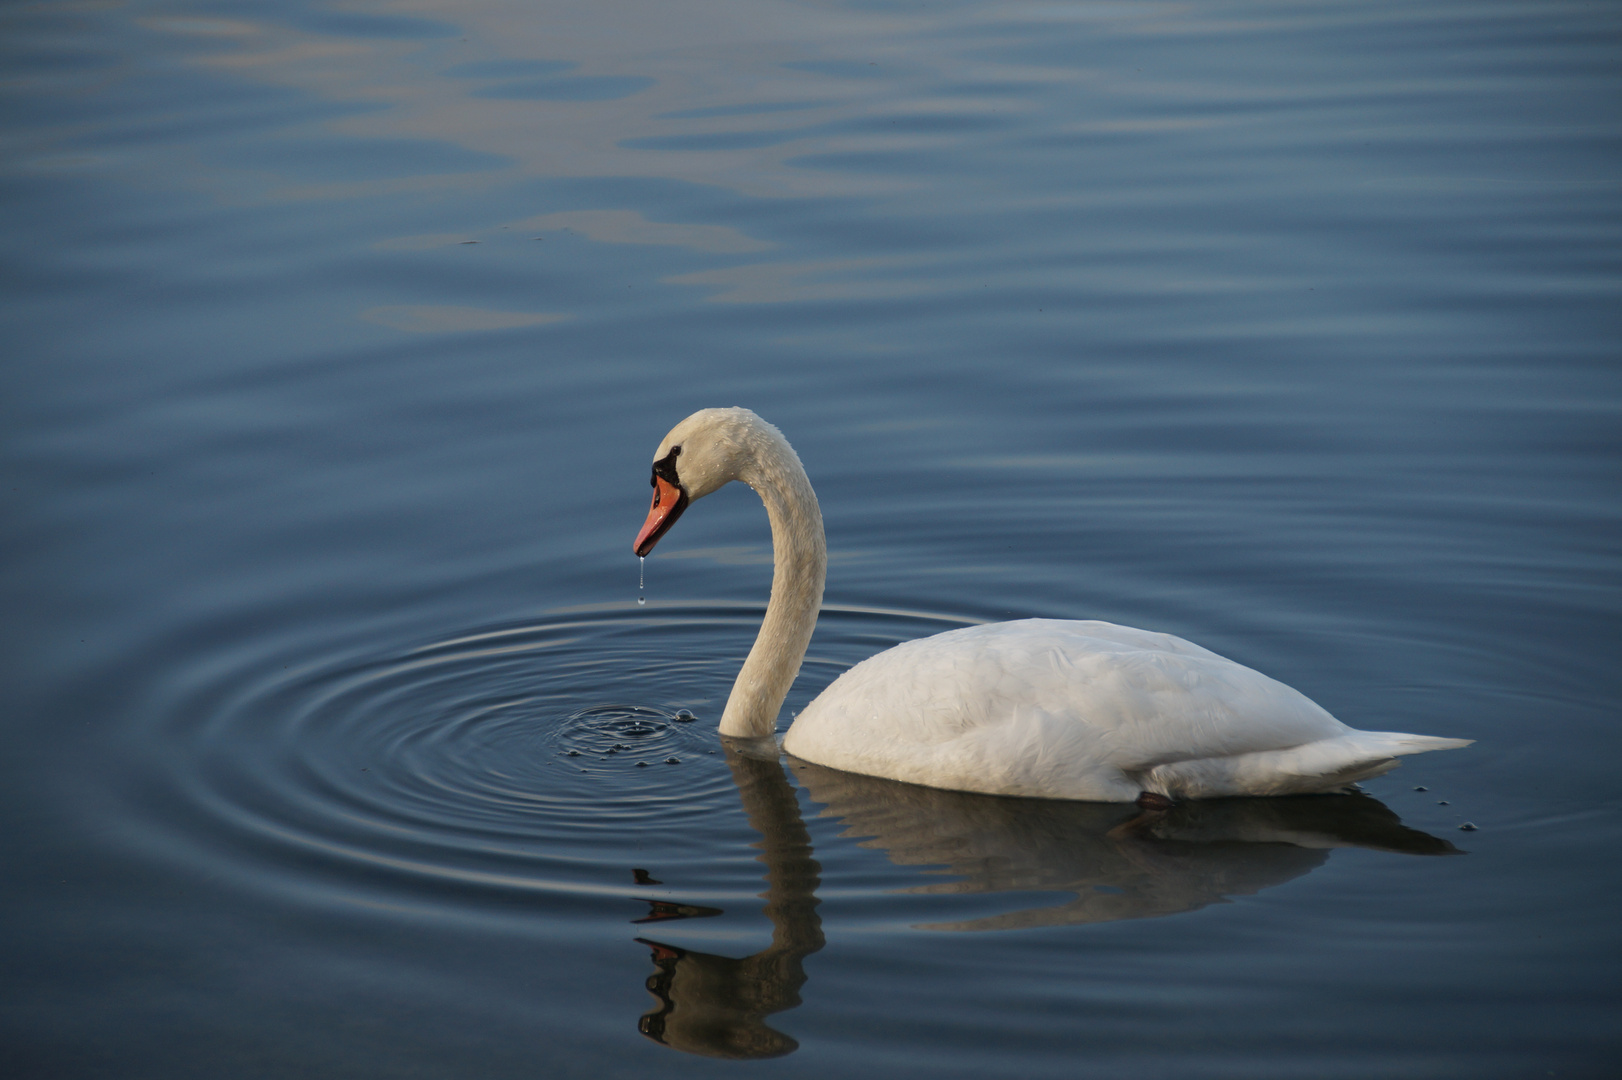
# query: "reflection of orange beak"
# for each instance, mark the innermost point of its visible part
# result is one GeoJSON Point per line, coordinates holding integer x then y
{"type": "Point", "coordinates": [661, 952]}
{"type": "Point", "coordinates": [668, 503]}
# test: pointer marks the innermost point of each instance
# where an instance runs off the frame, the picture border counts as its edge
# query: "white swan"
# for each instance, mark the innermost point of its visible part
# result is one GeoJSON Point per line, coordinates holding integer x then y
{"type": "Point", "coordinates": [1046, 708]}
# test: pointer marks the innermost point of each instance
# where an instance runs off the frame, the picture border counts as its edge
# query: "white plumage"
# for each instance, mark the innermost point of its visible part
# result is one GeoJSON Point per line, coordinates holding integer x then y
{"type": "Point", "coordinates": [1047, 708]}
{"type": "Point", "coordinates": [1083, 710]}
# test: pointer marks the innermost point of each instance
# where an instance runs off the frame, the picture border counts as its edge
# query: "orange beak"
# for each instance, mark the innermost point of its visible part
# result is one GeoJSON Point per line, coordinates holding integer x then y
{"type": "Point", "coordinates": [668, 503]}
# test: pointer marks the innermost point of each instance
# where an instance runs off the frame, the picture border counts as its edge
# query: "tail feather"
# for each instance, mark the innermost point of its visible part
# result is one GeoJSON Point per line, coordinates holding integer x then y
{"type": "Point", "coordinates": [1397, 743]}
{"type": "Point", "coordinates": [1359, 755]}
{"type": "Point", "coordinates": [1325, 765]}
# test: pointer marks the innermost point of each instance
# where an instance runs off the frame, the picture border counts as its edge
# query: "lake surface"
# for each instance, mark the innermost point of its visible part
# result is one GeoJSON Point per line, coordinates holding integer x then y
{"type": "Point", "coordinates": [339, 338]}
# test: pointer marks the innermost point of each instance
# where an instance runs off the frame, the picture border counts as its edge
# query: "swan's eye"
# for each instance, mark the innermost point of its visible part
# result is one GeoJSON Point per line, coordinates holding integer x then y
{"type": "Point", "coordinates": [665, 468]}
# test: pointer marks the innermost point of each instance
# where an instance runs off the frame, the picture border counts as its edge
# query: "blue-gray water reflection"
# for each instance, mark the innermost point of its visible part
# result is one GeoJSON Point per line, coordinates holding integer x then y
{"type": "Point", "coordinates": [337, 338]}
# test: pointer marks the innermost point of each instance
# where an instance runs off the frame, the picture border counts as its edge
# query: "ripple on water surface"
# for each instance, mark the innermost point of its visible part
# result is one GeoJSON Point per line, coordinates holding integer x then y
{"type": "Point", "coordinates": [487, 767]}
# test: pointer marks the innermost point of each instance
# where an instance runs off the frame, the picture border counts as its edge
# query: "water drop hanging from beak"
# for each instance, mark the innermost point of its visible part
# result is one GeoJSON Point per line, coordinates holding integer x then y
{"type": "Point", "coordinates": [641, 579]}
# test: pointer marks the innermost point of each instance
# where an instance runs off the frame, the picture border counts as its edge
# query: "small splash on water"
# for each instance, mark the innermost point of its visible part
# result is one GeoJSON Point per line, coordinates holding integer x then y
{"type": "Point", "coordinates": [641, 579]}
{"type": "Point", "coordinates": [626, 733]}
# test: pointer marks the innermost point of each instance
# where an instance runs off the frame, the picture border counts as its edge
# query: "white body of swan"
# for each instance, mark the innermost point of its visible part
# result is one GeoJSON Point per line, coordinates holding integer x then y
{"type": "Point", "coordinates": [1046, 708]}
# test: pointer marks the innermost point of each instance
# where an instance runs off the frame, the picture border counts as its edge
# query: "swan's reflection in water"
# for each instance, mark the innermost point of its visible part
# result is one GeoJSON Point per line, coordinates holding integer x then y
{"type": "Point", "coordinates": [717, 1006]}
{"type": "Point", "coordinates": [1116, 861]}
{"type": "Point", "coordinates": [1119, 861]}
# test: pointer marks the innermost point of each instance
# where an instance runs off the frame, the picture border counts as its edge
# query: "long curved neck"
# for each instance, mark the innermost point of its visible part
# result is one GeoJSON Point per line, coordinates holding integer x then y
{"type": "Point", "coordinates": [800, 564]}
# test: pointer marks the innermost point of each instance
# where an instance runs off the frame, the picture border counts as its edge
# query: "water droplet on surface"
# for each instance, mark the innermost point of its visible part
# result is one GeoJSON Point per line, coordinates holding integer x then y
{"type": "Point", "coordinates": [1421, 789]}
{"type": "Point", "coordinates": [684, 717]}
{"type": "Point", "coordinates": [672, 761]}
{"type": "Point", "coordinates": [1441, 802]}
{"type": "Point", "coordinates": [1468, 826]}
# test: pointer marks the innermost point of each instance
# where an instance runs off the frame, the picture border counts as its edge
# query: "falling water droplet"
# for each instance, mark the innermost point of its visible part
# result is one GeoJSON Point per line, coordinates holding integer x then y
{"type": "Point", "coordinates": [641, 579]}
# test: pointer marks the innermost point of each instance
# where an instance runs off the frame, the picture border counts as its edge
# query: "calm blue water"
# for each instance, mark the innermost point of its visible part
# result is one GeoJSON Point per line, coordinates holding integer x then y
{"type": "Point", "coordinates": [339, 338]}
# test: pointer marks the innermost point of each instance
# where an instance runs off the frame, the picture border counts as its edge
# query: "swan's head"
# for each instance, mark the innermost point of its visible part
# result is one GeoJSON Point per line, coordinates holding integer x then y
{"type": "Point", "coordinates": [703, 453]}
